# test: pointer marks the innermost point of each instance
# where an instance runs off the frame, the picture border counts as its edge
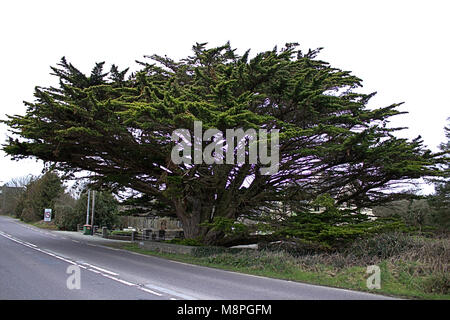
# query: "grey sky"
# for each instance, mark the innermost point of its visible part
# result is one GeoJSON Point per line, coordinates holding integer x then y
{"type": "Point", "coordinates": [399, 48]}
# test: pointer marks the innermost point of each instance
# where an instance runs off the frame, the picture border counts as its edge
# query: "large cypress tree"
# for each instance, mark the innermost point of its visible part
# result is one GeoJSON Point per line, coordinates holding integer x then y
{"type": "Point", "coordinates": [120, 128]}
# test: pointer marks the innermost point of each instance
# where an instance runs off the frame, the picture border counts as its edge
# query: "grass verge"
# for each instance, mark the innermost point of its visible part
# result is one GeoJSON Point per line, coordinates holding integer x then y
{"type": "Point", "coordinates": [418, 269]}
{"type": "Point", "coordinates": [44, 225]}
{"type": "Point", "coordinates": [411, 267]}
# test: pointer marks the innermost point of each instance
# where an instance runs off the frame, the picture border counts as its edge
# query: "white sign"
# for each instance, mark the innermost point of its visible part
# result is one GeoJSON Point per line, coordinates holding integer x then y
{"type": "Point", "coordinates": [48, 215]}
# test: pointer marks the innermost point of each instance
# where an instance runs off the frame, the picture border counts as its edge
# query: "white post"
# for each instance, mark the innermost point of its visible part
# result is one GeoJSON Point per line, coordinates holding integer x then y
{"type": "Point", "coordinates": [92, 215]}
{"type": "Point", "coordinates": [87, 209]}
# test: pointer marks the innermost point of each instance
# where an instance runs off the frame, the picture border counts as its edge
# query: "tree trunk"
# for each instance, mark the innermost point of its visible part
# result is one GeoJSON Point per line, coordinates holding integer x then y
{"type": "Point", "coordinates": [191, 226]}
{"type": "Point", "coordinates": [190, 220]}
{"type": "Point", "coordinates": [193, 212]}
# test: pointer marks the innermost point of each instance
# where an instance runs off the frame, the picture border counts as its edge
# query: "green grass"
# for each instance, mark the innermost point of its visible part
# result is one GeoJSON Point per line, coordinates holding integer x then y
{"type": "Point", "coordinates": [411, 267]}
{"type": "Point", "coordinates": [44, 225]}
{"type": "Point", "coordinates": [399, 278]}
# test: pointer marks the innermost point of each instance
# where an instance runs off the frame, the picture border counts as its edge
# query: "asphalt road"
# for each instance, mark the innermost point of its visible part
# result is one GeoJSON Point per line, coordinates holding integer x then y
{"type": "Point", "coordinates": [41, 264]}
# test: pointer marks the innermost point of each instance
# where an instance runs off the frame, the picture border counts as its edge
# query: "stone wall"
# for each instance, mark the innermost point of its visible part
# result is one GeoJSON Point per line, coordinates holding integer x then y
{"type": "Point", "coordinates": [166, 247]}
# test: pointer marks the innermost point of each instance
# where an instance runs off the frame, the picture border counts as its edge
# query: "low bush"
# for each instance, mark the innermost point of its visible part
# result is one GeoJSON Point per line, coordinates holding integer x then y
{"type": "Point", "coordinates": [186, 242]}
{"type": "Point", "coordinates": [382, 246]}
{"type": "Point", "coordinates": [254, 260]}
{"type": "Point", "coordinates": [437, 283]}
{"type": "Point", "coordinates": [65, 218]}
{"type": "Point", "coordinates": [294, 248]}
{"type": "Point", "coordinates": [206, 251]}
{"type": "Point", "coordinates": [411, 266]}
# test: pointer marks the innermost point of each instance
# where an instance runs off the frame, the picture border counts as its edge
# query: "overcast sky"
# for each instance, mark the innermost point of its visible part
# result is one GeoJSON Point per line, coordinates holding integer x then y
{"type": "Point", "coordinates": [399, 48]}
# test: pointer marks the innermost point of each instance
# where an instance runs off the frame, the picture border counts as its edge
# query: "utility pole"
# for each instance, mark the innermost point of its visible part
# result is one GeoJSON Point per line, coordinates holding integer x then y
{"type": "Point", "coordinates": [92, 215]}
{"type": "Point", "coordinates": [87, 210]}
{"type": "Point", "coordinates": [3, 198]}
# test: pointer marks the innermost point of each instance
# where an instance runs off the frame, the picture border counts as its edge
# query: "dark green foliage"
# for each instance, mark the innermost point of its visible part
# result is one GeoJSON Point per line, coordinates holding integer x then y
{"type": "Point", "coordinates": [11, 194]}
{"type": "Point", "coordinates": [440, 204]}
{"type": "Point", "coordinates": [40, 193]}
{"type": "Point", "coordinates": [205, 251]}
{"type": "Point", "coordinates": [228, 227]}
{"type": "Point", "coordinates": [418, 214]}
{"type": "Point", "coordinates": [70, 212]}
{"type": "Point", "coordinates": [120, 129]}
{"type": "Point", "coordinates": [438, 283]}
{"type": "Point", "coordinates": [294, 247]}
{"type": "Point", "coordinates": [426, 213]}
{"type": "Point", "coordinates": [440, 201]}
{"type": "Point", "coordinates": [186, 242]}
{"type": "Point", "coordinates": [334, 227]}
{"type": "Point", "coordinates": [106, 209]}
{"type": "Point", "coordinates": [65, 217]}
{"type": "Point", "coordinates": [383, 246]}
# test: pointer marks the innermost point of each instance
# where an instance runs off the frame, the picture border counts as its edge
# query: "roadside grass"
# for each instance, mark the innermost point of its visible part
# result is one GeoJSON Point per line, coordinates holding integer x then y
{"type": "Point", "coordinates": [44, 225]}
{"type": "Point", "coordinates": [412, 268]}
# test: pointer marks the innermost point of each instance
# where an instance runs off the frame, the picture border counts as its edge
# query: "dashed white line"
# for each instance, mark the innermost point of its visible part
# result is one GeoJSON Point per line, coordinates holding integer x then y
{"type": "Point", "coordinates": [101, 269]}
{"type": "Point", "coordinates": [103, 272]}
{"type": "Point", "coordinates": [152, 292]}
{"type": "Point", "coordinates": [118, 280]}
{"type": "Point", "coordinates": [170, 292]}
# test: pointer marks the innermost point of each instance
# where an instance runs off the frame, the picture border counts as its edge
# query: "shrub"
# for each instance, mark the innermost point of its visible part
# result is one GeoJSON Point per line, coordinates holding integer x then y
{"type": "Point", "coordinates": [294, 248]}
{"type": "Point", "coordinates": [186, 242]}
{"type": "Point", "coordinates": [64, 218]}
{"type": "Point", "coordinates": [382, 246]}
{"type": "Point", "coordinates": [206, 251]}
{"type": "Point", "coordinates": [252, 259]}
{"type": "Point", "coordinates": [106, 208]}
{"type": "Point", "coordinates": [29, 215]}
{"type": "Point", "coordinates": [438, 283]}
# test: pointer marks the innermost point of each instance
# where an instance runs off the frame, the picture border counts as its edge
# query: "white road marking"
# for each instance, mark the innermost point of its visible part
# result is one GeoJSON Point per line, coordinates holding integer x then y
{"type": "Point", "coordinates": [103, 272]}
{"type": "Point", "coordinates": [101, 269]}
{"type": "Point", "coordinates": [152, 292]}
{"type": "Point", "coordinates": [30, 244]}
{"type": "Point", "coordinates": [171, 292]}
{"type": "Point", "coordinates": [118, 280]}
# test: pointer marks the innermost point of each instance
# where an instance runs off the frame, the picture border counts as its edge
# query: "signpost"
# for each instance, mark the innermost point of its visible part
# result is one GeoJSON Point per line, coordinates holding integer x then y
{"type": "Point", "coordinates": [47, 215]}
{"type": "Point", "coordinates": [88, 228]}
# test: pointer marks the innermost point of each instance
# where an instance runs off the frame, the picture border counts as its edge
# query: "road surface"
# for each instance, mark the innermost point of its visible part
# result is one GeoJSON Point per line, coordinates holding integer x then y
{"type": "Point", "coordinates": [42, 264]}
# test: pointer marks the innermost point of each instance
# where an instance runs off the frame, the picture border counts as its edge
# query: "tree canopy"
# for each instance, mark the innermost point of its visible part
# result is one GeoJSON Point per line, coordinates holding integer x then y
{"type": "Point", "coordinates": [440, 201]}
{"type": "Point", "coordinates": [120, 128]}
{"type": "Point", "coordinates": [39, 194]}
